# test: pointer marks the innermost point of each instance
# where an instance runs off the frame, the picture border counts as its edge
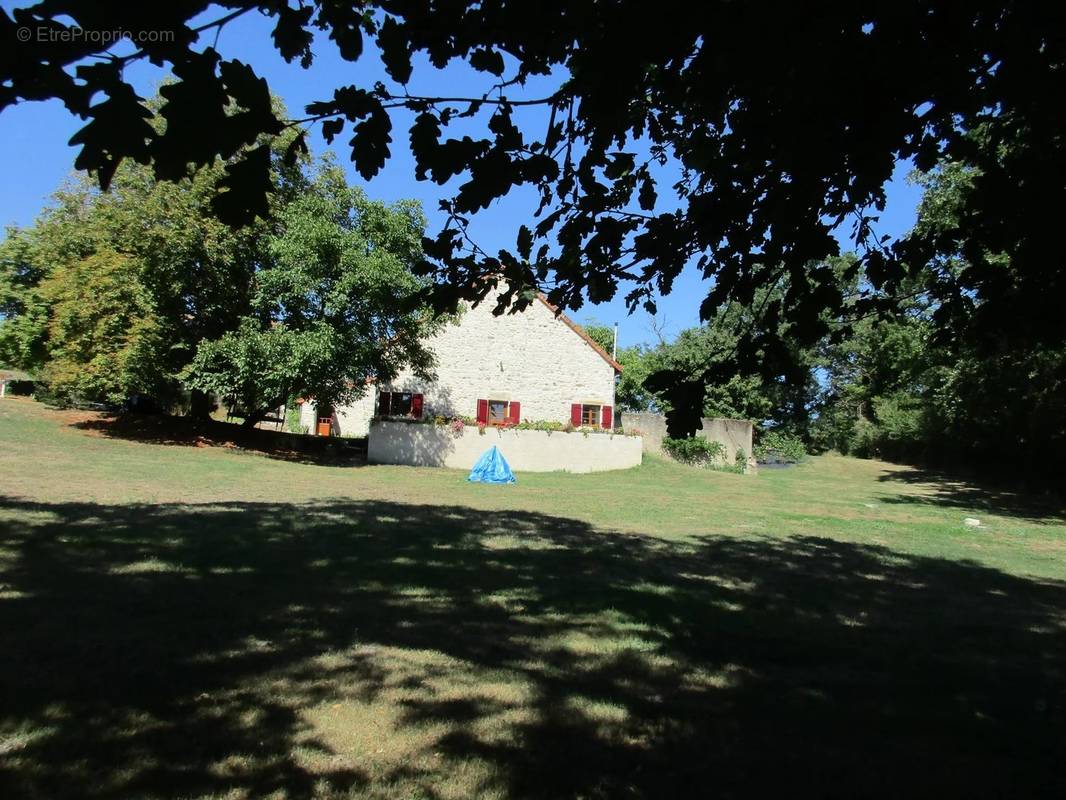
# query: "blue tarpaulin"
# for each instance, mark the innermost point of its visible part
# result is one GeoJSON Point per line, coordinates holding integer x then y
{"type": "Point", "coordinates": [491, 468]}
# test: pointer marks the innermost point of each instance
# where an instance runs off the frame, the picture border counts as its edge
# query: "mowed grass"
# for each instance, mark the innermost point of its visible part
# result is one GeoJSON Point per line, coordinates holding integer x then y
{"type": "Point", "coordinates": [201, 622]}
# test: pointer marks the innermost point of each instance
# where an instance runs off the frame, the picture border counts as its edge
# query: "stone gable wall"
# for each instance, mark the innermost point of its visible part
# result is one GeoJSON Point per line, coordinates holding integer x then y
{"type": "Point", "coordinates": [532, 357]}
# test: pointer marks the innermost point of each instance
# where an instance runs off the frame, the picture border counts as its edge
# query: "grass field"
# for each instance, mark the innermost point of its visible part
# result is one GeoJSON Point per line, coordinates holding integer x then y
{"type": "Point", "coordinates": [184, 621]}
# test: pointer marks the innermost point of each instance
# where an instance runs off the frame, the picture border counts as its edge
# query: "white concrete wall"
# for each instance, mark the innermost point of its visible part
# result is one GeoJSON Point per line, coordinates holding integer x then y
{"type": "Point", "coordinates": [533, 357]}
{"type": "Point", "coordinates": [732, 434]}
{"type": "Point", "coordinates": [526, 451]}
{"type": "Point", "coordinates": [350, 420]}
{"type": "Point", "coordinates": [307, 416]}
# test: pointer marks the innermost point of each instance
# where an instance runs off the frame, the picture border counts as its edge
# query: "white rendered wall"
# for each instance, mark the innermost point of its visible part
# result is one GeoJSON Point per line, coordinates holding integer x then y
{"type": "Point", "coordinates": [350, 420]}
{"type": "Point", "coordinates": [424, 445]}
{"type": "Point", "coordinates": [308, 415]}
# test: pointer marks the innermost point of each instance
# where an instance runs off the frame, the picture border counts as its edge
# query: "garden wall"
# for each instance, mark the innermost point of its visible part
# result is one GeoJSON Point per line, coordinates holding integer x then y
{"type": "Point", "coordinates": [427, 445]}
{"type": "Point", "coordinates": [733, 434]}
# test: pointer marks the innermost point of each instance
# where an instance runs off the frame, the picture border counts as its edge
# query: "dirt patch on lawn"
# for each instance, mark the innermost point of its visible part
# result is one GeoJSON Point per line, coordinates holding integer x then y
{"type": "Point", "coordinates": [186, 432]}
{"type": "Point", "coordinates": [75, 418]}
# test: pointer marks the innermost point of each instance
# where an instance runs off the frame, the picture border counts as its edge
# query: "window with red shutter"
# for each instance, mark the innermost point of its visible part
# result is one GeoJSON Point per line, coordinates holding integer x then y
{"type": "Point", "coordinates": [514, 412]}
{"type": "Point", "coordinates": [400, 404]}
{"type": "Point", "coordinates": [383, 403]}
{"type": "Point", "coordinates": [575, 415]}
{"type": "Point", "coordinates": [497, 412]}
{"type": "Point", "coordinates": [590, 415]}
{"type": "Point", "coordinates": [416, 406]}
{"type": "Point", "coordinates": [483, 412]}
{"type": "Point", "coordinates": [607, 417]}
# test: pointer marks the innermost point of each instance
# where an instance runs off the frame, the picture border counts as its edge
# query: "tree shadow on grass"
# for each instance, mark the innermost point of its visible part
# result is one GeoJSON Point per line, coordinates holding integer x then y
{"type": "Point", "coordinates": [387, 650]}
{"type": "Point", "coordinates": [188, 432]}
{"type": "Point", "coordinates": [971, 494]}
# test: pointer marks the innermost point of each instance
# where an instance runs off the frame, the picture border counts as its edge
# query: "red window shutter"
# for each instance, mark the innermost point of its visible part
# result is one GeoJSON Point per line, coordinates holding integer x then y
{"type": "Point", "coordinates": [416, 406]}
{"type": "Point", "coordinates": [515, 412]}
{"type": "Point", "coordinates": [607, 418]}
{"type": "Point", "coordinates": [575, 415]}
{"type": "Point", "coordinates": [383, 403]}
{"type": "Point", "coordinates": [483, 412]}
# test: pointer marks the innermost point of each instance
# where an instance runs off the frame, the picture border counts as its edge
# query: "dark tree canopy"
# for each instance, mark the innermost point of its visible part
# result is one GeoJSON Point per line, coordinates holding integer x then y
{"type": "Point", "coordinates": [733, 135]}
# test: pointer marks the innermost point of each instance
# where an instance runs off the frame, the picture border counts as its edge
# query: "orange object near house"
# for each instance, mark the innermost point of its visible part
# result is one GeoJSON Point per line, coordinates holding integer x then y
{"type": "Point", "coordinates": [325, 425]}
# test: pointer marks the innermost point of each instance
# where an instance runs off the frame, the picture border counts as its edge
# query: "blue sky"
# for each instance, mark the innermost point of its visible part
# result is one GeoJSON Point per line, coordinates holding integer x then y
{"type": "Point", "coordinates": [35, 158]}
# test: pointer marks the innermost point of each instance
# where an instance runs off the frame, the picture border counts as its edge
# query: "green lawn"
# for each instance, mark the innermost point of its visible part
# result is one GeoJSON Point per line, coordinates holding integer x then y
{"type": "Point", "coordinates": [200, 622]}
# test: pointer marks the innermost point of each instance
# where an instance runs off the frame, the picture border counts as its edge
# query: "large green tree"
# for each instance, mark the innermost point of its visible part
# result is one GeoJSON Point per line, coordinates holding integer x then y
{"type": "Point", "coordinates": [145, 250]}
{"type": "Point", "coordinates": [111, 294]}
{"type": "Point", "coordinates": [945, 378]}
{"type": "Point", "coordinates": [733, 136]}
{"type": "Point", "coordinates": [23, 313]}
{"type": "Point", "coordinates": [630, 393]}
{"type": "Point", "coordinates": [104, 340]}
{"type": "Point", "coordinates": [699, 374]}
{"type": "Point", "coordinates": [337, 308]}
{"type": "Point", "coordinates": [704, 356]}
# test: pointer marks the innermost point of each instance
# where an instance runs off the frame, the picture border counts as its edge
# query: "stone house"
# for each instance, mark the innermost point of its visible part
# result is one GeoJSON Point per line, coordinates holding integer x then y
{"type": "Point", "coordinates": [536, 365]}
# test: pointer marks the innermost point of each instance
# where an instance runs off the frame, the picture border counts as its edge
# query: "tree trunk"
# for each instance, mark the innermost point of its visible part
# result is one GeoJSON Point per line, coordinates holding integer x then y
{"type": "Point", "coordinates": [200, 404]}
{"type": "Point", "coordinates": [255, 418]}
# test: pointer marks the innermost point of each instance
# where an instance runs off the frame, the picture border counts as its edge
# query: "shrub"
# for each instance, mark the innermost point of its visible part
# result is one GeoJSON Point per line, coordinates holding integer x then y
{"type": "Point", "coordinates": [548, 425]}
{"type": "Point", "coordinates": [740, 460]}
{"type": "Point", "coordinates": [902, 425]}
{"type": "Point", "coordinates": [863, 441]}
{"type": "Point", "coordinates": [45, 394]}
{"type": "Point", "coordinates": [457, 423]}
{"type": "Point", "coordinates": [695, 450]}
{"type": "Point", "coordinates": [776, 446]}
{"type": "Point", "coordinates": [292, 420]}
